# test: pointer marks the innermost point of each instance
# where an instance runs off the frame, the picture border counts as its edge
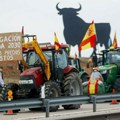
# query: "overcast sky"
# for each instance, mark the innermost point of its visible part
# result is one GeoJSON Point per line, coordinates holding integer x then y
{"type": "Point", "coordinates": [40, 17]}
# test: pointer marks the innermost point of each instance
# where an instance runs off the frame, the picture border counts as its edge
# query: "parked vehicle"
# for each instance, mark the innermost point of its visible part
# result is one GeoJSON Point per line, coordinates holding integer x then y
{"type": "Point", "coordinates": [49, 74]}
{"type": "Point", "coordinates": [109, 68]}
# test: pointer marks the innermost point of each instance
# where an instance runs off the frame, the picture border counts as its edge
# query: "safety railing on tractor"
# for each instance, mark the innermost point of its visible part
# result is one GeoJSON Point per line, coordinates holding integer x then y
{"type": "Point", "coordinates": [36, 103]}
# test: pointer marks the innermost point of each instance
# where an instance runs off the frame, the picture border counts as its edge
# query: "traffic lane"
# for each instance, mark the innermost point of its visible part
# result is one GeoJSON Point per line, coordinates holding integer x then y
{"type": "Point", "coordinates": [25, 114]}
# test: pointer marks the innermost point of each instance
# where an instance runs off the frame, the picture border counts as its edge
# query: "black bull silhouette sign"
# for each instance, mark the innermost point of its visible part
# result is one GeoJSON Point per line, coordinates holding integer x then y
{"type": "Point", "coordinates": [75, 27]}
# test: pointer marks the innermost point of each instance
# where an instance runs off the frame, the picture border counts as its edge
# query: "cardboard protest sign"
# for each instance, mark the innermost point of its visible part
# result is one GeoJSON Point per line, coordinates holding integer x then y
{"type": "Point", "coordinates": [10, 46]}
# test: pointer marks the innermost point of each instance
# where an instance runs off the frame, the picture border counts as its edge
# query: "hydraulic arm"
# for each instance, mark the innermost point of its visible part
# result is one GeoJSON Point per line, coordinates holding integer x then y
{"type": "Point", "coordinates": [25, 65]}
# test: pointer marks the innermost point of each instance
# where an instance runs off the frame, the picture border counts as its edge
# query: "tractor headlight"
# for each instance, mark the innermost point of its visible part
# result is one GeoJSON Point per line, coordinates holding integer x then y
{"type": "Point", "coordinates": [104, 72]}
{"type": "Point", "coordinates": [30, 81]}
{"type": "Point", "coordinates": [26, 81]}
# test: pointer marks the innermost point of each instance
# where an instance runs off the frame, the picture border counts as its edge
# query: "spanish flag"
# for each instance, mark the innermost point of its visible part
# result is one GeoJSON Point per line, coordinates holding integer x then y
{"type": "Point", "coordinates": [56, 43]}
{"type": "Point", "coordinates": [89, 39]}
{"type": "Point", "coordinates": [114, 45]}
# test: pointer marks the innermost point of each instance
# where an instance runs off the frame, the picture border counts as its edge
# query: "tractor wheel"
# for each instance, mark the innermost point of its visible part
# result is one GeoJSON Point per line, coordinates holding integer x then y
{"type": "Point", "coordinates": [1, 97]}
{"type": "Point", "coordinates": [117, 85]}
{"type": "Point", "coordinates": [1, 89]}
{"type": "Point", "coordinates": [52, 89]}
{"type": "Point", "coordinates": [35, 109]}
{"type": "Point", "coordinates": [72, 87]}
{"type": "Point", "coordinates": [10, 86]}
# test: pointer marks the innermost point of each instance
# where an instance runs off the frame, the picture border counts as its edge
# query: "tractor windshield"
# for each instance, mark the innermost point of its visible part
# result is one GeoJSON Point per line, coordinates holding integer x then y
{"type": "Point", "coordinates": [113, 57]}
{"type": "Point", "coordinates": [74, 62]}
{"type": "Point", "coordinates": [61, 59]}
{"type": "Point", "coordinates": [34, 59]}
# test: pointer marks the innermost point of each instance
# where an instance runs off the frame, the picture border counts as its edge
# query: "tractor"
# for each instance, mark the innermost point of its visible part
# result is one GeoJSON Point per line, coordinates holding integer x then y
{"type": "Point", "coordinates": [109, 67]}
{"type": "Point", "coordinates": [49, 74]}
{"type": "Point", "coordinates": [76, 63]}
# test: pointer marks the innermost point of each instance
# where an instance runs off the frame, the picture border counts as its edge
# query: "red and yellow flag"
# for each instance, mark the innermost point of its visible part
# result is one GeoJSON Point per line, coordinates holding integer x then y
{"type": "Point", "coordinates": [89, 39]}
{"type": "Point", "coordinates": [56, 43]}
{"type": "Point", "coordinates": [93, 87]}
{"type": "Point", "coordinates": [114, 45]}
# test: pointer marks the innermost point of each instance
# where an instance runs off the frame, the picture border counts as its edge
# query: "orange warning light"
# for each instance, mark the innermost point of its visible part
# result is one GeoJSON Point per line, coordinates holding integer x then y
{"type": "Point", "coordinates": [10, 95]}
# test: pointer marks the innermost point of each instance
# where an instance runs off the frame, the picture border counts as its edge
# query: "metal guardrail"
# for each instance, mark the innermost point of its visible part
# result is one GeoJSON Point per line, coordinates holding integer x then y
{"type": "Point", "coordinates": [47, 102]}
{"type": "Point", "coordinates": [79, 100]}
{"type": "Point", "coordinates": [65, 101]}
{"type": "Point", "coordinates": [22, 103]}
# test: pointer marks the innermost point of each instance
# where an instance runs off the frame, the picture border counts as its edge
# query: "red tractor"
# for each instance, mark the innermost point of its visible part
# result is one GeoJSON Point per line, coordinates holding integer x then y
{"type": "Point", "coordinates": [49, 74]}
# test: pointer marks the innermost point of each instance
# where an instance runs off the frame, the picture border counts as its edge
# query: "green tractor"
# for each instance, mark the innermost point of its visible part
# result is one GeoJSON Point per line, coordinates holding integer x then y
{"type": "Point", "coordinates": [109, 67]}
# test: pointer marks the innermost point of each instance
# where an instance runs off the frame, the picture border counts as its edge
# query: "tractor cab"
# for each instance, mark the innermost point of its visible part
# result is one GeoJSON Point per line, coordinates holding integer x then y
{"type": "Point", "coordinates": [57, 60]}
{"type": "Point", "coordinates": [75, 62]}
{"type": "Point", "coordinates": [111, 56]}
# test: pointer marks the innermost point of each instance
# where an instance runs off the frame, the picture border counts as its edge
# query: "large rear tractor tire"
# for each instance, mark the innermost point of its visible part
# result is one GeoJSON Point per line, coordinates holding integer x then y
{"type": "Point", "coordinates": [72, 87]}
{"type": "Point", "coordinates": [52, 89]}
{"type": "Point", "coordinates": [10, 86]}
{"type": "Point", "coordinates": [1, 96]}
{"type": "Point", "coordinates": [1, 99]}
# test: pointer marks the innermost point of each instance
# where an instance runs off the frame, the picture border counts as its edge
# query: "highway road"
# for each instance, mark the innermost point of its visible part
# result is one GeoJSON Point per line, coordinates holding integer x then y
{"type": "Point", "coordinates": [61, 114]}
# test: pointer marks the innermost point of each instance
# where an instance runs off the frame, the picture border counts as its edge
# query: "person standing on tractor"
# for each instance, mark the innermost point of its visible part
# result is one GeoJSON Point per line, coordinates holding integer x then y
{"type": "Point", "coordinates": [92, 61]}
{"type": "Point", "coordinates": [95, 83]}
{"type": "Point", "coordinates": [96, 75]}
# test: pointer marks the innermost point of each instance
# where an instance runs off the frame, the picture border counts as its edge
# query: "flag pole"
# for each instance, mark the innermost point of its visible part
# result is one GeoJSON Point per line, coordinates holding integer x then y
{"type": "Point", "coordinates": [94, 55]}
{"type": "Point", "coordinates": [94, 51]}
{"type": "Point", "coordinates": [23, 40]}
{"type": "Point", "coordinates": [79, 52]}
